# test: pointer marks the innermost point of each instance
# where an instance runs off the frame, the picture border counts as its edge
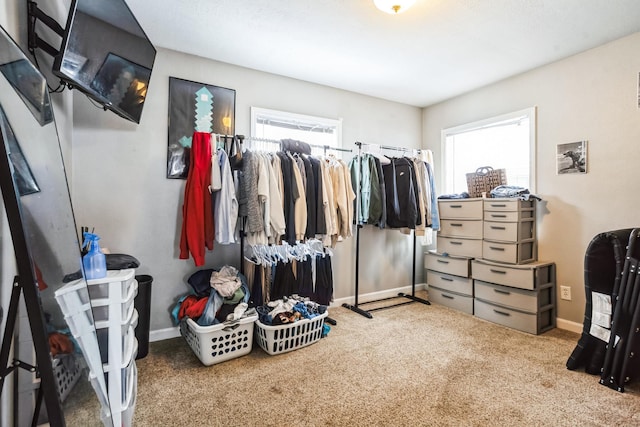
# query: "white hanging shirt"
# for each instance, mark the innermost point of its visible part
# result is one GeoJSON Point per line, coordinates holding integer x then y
{"type": "Point", "coordinates": [226, 204]}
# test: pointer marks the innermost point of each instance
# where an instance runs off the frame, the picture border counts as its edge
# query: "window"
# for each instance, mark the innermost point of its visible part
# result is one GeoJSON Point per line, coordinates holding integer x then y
{"type": "Point", "coordinates": [277, 125]}
{"type": "Point", "coordinates": [503, 142]}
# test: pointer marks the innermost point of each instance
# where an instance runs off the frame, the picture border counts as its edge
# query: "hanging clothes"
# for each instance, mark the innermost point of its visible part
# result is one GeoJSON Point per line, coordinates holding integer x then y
{"type": "Point", "coordinates": [197, 218]}
{"type": "Point", "coordinates": [216, 173]}
{"type": "Point", "coordinates": [370, 207]}
{"type": "Point", "coordinates": [300, 205]}
{"type": "Point", "coordinates": [343, 195]}
{"type": "Point", "coordinates": [225, 205]}
{"type": "Point", "coordinates": [314, 198]}
{"type": "Point", "coordinates": [276, 212]}
{"type": "Point", "coordinates": [299, 196]}
{"type": "Point", "coordinates": [402, 202]}
{"type": "Point", "coordinates": [323, 289]}
{"type": "Point", "coordinates": [311, 199]}
{"type": "Point", "coordinates": [405, 186]}
{"type": "Point", "coordinates": [351, 197]}
{"type": "Point", "coordinates": [435, 214]}
{"type": "Point", "coordinates": [329, 203]}
{"type": "Point", "coordinates": [284, 281]}
{"type": "Point", "coordinates": [255, 219]}
{"type": "Point", "coordinates": [290, 193]}
{"type": "Point", "coordinates": [419, 173]}
{"type": "Point", "coordinates": [258, 280]}
{"type": "Point", "coordinates": [320, 222]}
{"type": "Point", "coordinates": [304, 278]}
{"type": "Point", "coordinates": [258, 232]}
{"type": "Point", "coordinates": [381, 191]}
{"type": "Point", "coordinates": [361, 181]}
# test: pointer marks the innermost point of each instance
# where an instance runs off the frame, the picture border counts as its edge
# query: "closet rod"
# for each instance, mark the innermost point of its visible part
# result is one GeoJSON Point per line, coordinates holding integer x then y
{"type": "Point", "coordinates": [277, 141]}
{"type": "Point", "coordinates": [386, 147]}
{"type": "Point", "coordinates": [412, 298]}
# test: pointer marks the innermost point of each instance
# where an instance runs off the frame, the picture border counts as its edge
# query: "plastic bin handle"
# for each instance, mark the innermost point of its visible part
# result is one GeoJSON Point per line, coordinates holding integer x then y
{"type": "Point", "coordinates": [231, 327]}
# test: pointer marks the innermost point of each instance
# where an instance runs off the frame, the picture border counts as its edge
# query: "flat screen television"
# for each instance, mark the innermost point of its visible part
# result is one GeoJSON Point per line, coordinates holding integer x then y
{"type": "Point", "coordinates": [106, 54]}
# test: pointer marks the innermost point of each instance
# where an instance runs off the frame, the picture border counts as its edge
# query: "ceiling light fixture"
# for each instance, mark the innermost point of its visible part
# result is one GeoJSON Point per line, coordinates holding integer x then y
{"type": "Point", "coordinates": [393, 6]}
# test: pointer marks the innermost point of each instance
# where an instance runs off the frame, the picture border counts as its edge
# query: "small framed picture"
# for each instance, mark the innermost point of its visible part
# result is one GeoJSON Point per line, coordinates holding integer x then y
{"type": "Point", "coordinates": [571, 157]}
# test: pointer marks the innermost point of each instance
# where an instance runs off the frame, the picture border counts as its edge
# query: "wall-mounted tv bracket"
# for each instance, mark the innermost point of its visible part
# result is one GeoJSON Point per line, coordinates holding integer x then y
{"type": "Point", "coordinates": [34, 40]}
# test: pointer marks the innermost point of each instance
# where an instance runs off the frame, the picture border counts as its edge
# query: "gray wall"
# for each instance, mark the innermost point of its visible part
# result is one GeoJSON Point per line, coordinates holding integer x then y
{"type": "Point", "coordinates": [591, 96]}
{"type": "Point", "coordinates": [119, 184]}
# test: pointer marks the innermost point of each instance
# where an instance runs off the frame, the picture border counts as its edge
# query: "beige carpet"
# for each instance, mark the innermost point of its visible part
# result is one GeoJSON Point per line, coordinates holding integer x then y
{"type": "Point", "coordinates": [409, 365]}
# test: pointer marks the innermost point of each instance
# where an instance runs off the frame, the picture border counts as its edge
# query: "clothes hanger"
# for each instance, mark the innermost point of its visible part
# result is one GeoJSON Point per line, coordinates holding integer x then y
{"type": "Point", "coordinates": [376, 151]}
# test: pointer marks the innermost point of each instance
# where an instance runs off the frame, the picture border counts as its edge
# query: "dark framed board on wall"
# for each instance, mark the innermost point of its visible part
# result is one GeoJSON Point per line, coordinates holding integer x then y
{"type": "Point", "coordinates": [195, 107]}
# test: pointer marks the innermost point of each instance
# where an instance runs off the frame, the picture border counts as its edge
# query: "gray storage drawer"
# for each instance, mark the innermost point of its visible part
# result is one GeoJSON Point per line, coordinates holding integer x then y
{"type": "Point", "coordinates": [509, 205]}
{"type": "Point", "coordinates": [458, 266]}
{"type": "Point", "coordinates": [470, 229]}
{"type": "Point", "coordinates": [526, 322]}
{"type": "Point", "coordinates": [510, 253]}
{"type": "Point", "coordinates": [461, 208]}
{"type": "Point", "coordinates": [528, 276]}
{"type": "Point", "coordinates": [519, 299]}
{"type": "Point", "coordinates": [447, 282]}
{"type": "Point", "coordinates": [471, 248]}
{"type": "Point", "coordinates": [451, 299]}
{"type": "Point", "coordinates": [508, 216]}
{"type": "Point", "coordinates": [509, 231]}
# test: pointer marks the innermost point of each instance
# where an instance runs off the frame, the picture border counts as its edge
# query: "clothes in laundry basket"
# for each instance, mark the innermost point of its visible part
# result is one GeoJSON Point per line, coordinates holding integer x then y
{"type": "Point", "coordinates": [289, 310]}
{"type": "Point", "coordinates": [206, 305]}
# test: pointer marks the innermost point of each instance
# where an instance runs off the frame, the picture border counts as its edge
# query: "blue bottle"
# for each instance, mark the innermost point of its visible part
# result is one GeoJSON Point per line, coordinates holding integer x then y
{"type": "Point", "coordinates": [94, 262]}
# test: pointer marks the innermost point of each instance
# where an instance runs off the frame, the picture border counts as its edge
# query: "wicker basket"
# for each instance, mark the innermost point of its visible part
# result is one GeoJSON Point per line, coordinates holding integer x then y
{"type": "Point", "coordinates": [485, 179]}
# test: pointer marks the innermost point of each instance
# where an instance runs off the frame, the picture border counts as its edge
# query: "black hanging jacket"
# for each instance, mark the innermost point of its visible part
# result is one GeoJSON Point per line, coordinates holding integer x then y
{"type": "Point", "coordinates": [401, 197]}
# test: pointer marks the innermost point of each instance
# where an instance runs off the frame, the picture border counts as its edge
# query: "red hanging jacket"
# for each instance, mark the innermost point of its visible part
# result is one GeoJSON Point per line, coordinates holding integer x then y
{"type": "Point", "coordinates": [197, 216]}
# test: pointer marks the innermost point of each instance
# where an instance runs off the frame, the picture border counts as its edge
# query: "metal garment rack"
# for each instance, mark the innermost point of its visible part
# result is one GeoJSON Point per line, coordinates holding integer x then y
{"type": "Point", "coordinates": [279, 143]}
{"type": "Point", "coordinates": [243, 138]}
{"type": "Point", "coordinates": [412, 298]}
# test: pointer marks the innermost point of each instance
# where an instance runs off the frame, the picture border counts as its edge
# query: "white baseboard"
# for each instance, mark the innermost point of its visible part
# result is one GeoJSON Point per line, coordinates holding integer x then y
{"type": "Point", "coordinates": [568, 325]}
{"type": "Point", "coordinates": [168, 333]}
{"type": "Point", "coordinates": [164, 334]}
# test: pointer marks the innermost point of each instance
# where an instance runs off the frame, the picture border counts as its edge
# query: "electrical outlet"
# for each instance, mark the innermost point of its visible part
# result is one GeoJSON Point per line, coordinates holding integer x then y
{"type": "Point", "coordinates": [565, 292]}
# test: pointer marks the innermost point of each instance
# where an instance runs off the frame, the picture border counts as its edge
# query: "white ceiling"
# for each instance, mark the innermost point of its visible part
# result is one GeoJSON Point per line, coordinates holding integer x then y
{"type": "Point", "coordinates": [434, 51]}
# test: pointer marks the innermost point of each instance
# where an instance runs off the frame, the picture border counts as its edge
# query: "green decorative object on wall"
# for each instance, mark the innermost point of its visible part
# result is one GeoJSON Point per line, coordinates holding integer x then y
{"type": "Point", "coordinates": [195, 107]}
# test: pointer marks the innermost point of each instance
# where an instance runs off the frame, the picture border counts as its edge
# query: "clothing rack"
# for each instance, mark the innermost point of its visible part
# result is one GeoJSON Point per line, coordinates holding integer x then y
{"type": "Point", "coordinates": [278, 142]}
{"type": "Point", "coordinates": [412, 298]}
{"type": "Point", "coordinates": [270, 141]}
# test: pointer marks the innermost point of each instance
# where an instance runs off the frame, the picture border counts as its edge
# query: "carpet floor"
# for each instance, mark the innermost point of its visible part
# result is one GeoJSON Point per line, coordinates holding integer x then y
{"type": "Point", "coordinates": [416, 364]}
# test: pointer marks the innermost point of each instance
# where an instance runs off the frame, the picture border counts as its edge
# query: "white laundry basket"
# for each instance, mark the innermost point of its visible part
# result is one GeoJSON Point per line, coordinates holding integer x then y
{"type": "Point", "coordinates": [66, 373]}
{"type": "Point", "coordinates": [219, 343]}
{"type": "Point", "coordinates": [288, 337]}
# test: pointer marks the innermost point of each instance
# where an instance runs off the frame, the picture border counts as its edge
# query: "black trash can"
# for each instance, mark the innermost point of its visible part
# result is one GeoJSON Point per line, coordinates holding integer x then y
{"type": "Point", "coordinates": [142, 303]}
